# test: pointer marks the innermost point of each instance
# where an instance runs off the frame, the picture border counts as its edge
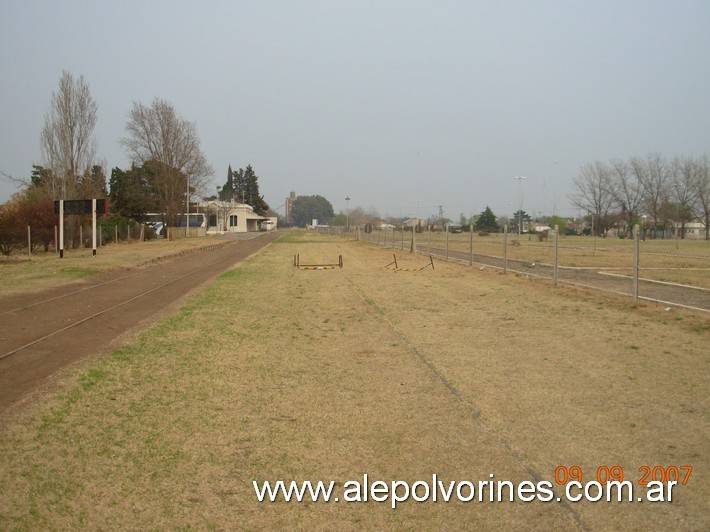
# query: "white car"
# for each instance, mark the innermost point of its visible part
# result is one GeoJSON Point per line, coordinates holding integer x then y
{"type": "Point", "coordinates": [159, 229]}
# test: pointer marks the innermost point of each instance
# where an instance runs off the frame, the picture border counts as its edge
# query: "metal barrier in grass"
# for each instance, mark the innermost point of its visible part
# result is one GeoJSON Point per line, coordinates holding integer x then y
{"type": "Point", "coordinates": [395, 267]}
{"type": "Point", "coordinates": [297, 264]}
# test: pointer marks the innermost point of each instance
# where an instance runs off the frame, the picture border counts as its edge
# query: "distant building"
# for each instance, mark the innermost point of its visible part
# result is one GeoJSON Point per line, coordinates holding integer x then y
{"type": "Point", "coordinates": [416, 223]}
{"type": "Point", "coordinates": [288, 207]}
{"type": "Point", "coordinates": [230, 217]}
{"type": "Point", "coordinates": [539, 227]}
{"type": "Point", "coordinates": [692, 230]}
{"type": "Point", "coordinates": [270, 221]}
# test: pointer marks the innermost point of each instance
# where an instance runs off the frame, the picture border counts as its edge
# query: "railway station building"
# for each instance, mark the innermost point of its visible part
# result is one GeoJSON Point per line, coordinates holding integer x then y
{"type": "Point", "coordinates": [233, 217]}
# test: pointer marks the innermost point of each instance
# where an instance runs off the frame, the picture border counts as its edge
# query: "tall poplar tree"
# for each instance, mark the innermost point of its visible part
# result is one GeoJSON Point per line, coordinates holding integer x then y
{"type": "Point", "coordinates": [227, 193]}
{"type": "Point", "coordinates": [67, 140]}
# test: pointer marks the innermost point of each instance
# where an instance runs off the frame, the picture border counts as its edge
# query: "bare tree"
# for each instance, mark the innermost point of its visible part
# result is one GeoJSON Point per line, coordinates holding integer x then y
{"type": "Point", "coordinates": [67, 140]}
{"type": "Point", "coordinates": [652, 173]}
{"type": "Point", "coordinates": [702, 191]}
{"type": "Point", "coordinates": [158, 134]}
{"type": "Point", "coordinates": [593, 192]}
{"type": "Point", "coordinates": [683, 190]}
{"type": "Point", "coordinates": [627, 191]}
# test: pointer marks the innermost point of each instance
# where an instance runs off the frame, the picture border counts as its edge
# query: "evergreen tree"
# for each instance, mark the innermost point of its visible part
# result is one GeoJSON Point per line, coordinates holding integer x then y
{"type": "Point", "coordinates": [227, 192]}
{"type": "Point", "coordinates": [243, 187]}
{"type": "Point", "coordinates": [41, 178]}
{"type": "Point", "coordinates": [93, 183]}
{"type": "Point", "coordinates": [240, 189]}
{"type": "Point", "coordinates": [520, 221]}
{"type": "Point", "coordinates": [487, 221]}
{"type": "Point", "coordinates": [252, 196]}
{"type": "Point", "coordinates": [133, 192]}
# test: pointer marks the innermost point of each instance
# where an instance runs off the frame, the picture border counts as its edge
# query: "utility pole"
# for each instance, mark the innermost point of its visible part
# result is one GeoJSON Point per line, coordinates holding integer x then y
{"type": "Point", "coordinates": [520, 178]}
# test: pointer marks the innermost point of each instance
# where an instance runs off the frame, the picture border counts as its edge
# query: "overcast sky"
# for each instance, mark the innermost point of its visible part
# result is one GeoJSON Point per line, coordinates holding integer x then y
{"type": "Point", "coordinates": [400, 105]}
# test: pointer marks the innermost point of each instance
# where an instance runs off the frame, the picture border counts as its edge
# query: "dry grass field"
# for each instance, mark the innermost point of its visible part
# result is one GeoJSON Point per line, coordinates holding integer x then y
{"type": "Point", "coordinates": [272, 372]}
{"type": "Point", "coordinates": [684, 261]}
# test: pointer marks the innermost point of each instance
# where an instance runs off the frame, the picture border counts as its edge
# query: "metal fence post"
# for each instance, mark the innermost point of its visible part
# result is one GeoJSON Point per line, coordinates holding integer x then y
{"type": "Point", "coordinates": [446, 230]}
{"type": "Point", "coordinates": [555, 268]}
{"type": "Point", "coordinates": [635, 287]}
{"type": "Point", "coordinates": [470, 246]}
{"type": "Point", "coordinates": [505, 248]}
{"type": "Point", "coordinates": [29, 243]}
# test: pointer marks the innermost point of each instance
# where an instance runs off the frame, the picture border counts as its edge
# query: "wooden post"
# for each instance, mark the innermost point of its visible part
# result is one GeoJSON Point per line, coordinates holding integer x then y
{"type": "Point", "coordinates": [635, 288]}
{"type": "Point", "coordinates": [505, 249]}
{"type": "Point", "coordinates": [556, 256]}
{"type": "Point", "coordinates": [428, 237]}
{"type": "Point", "coordinates": [93, 227]}
{"type": "Point", "coordinates": [61, 229]}
{"type": "Point", "coordinates": [446, 230]}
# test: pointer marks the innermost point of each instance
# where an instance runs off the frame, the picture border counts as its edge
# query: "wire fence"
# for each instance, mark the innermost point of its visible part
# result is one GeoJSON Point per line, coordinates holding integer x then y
{"type": "Point", "coordinates": [37, 239]}
{"type": "Point", "coordinates": [667, 271]}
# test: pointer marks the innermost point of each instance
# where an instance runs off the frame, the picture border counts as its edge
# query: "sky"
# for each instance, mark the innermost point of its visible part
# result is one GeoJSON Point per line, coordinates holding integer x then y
{"type": "Point", "coordinates": [401, 106]}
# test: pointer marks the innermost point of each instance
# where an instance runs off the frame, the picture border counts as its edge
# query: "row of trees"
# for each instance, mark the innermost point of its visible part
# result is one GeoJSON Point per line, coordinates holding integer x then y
{"type": "Point", "coordinates": [666, 193]}
{"type": "Point", "coordinates": [168, 165]}
{"type": "Point", "coordinates": [485, 221]}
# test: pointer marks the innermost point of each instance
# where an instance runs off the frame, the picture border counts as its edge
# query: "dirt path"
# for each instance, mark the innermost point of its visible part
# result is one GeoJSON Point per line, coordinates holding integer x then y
{"type": "Point", "coordinates": [110, 312]}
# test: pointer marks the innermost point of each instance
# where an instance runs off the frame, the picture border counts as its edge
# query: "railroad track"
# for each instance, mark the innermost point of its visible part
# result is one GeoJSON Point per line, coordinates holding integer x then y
{"type": "Point", "coordinates": [42, 335]}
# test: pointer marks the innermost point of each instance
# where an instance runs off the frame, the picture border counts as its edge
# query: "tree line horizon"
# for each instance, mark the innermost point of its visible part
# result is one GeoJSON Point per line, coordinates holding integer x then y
{"type": "Point", "coordinates": [168, 169]}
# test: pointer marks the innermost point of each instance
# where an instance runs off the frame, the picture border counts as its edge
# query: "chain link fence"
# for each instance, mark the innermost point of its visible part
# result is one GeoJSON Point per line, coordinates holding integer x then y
{"type": "Point", "coordinates": [670, 271]}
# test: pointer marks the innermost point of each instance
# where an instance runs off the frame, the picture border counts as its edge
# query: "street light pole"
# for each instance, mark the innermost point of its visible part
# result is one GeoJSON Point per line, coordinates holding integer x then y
{"type": "Point", "coordinates": [520, 178]}
{"type": "Point", "coordinates": [347, 213]}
